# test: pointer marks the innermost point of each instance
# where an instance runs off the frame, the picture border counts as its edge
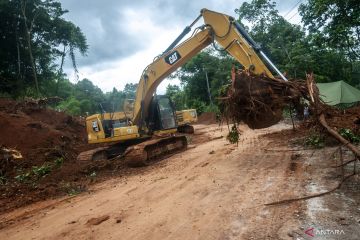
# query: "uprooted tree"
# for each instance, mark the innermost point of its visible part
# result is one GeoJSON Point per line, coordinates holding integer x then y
{"type": "Point", "coordinates": [259, 101]}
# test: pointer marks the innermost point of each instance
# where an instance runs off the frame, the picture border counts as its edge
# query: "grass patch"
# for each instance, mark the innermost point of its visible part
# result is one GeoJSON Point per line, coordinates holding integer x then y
{"type": "Point", "coordinates": [234, 135]}
{"type": "Point", "coordinates": [315, 140]}
{"type": "Point", "coordinates": [349, 135]}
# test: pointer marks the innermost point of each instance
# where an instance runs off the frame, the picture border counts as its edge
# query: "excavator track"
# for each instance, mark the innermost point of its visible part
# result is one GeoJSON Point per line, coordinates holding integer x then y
{"type": "Point", "coordinates": [142, 154]}
{"type": "Point", "coordinates": [103, 153]}
{"type": "Point", "coordinates": [93, 155]}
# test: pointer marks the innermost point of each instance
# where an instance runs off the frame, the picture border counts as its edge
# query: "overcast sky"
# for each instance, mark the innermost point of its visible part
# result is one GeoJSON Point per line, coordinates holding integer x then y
{"type": "Point", "coordinates": [124, 36]}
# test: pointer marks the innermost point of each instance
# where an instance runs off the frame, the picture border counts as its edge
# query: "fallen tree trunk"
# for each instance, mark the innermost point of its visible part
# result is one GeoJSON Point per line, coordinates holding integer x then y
{"type": "Point", "coordinates": [320, 110]}
{"type": "Point", "coordinates": [338, 137]}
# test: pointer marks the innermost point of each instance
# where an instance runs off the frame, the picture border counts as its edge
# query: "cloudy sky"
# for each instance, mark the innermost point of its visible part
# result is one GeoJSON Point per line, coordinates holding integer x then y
{"type": "Point", "coordinates": [124, 36]}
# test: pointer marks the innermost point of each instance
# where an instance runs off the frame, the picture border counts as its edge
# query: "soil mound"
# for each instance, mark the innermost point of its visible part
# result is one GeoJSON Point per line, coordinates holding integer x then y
{"type": "Point", "coordinates": [48, 142]}
{"type": "Point", "coordinates": [340, 119]}
{"type": "Point", "coordinates": [347, 118]}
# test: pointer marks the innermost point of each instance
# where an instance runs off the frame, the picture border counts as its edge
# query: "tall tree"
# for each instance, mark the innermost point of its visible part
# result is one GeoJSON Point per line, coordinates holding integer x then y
{"type": "Point", "coordinates": [130, 90]}
{"type": "Point", "coordinates": [32, 33]}
{"type": "Point", "coordinates": [193, 77]}
{"type": "Point", "coordinates": [288, 45]}
{"type": "Point", "coordinates": [338, 20]}
{"type": "Point", "coordinates": [29, 26]}
{"type": "Point", "coordinates": [176, 95]}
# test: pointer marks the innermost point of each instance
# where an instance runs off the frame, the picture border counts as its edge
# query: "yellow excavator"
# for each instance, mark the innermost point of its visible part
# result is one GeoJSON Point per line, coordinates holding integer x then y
{"type": "Point", "coordinates": [149, 129]}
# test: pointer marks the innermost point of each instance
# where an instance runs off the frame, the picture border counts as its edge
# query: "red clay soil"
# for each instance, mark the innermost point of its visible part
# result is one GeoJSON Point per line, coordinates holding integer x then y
{"type": "Point", "coordinates": [47, 139]}
{"type": "Point", "coordinates": [338, 119]}
{"type": "Point", "coordinates": [345, 119]}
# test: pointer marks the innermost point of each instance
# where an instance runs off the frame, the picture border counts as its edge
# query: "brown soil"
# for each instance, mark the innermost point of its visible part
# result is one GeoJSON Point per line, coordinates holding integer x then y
{"type": "Point", "coordinates": [213, 191]}
{"type": "Point", "coordinates": [45, 138]}
{"type": "Point", "coordinates": [345, 119]}
{"type": "Point", "coordinates": [337, 119]}
{"type": "Point", "coordinates": [207, 118]}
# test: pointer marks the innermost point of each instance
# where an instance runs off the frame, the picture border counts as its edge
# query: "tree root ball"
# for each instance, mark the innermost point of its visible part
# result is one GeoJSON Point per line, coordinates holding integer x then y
{"type": "Point", "coordinates": [258, 100]}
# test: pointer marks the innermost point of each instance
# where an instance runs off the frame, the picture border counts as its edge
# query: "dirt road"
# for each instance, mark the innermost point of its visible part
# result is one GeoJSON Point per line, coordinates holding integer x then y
{"type": "Point", "coordinates": [213, 191]}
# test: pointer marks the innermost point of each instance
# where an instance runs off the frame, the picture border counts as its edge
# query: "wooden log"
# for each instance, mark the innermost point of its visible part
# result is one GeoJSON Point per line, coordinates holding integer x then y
{"type": "Point", "coordinates": [337, 136]}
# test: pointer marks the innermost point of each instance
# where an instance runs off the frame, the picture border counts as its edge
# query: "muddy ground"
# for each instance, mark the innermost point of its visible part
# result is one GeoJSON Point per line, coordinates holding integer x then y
{"type": "Point", "coordinates": [214, 190]}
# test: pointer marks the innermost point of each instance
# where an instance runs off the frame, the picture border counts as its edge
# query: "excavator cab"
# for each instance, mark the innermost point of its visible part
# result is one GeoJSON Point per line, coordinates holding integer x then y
{"type": "Point", "coordinates": [162, 114]}
{"type": "Point", "coordinates": [106, 127]}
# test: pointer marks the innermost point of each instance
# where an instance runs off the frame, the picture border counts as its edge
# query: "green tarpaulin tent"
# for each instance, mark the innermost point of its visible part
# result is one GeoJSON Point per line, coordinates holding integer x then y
{"type": "Point", "coordinates": [338, 93]}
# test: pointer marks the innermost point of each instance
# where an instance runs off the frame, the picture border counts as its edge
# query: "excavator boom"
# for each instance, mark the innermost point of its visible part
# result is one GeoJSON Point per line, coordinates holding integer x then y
{"type": "Point", "coordinates": [218, 28]}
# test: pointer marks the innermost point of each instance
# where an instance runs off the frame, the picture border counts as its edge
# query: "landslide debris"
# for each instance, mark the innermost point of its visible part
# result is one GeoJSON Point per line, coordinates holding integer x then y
{"type": "Point", "coordinates": [259, 101]}
{"type": "Point", "coordinates": [38, 149]}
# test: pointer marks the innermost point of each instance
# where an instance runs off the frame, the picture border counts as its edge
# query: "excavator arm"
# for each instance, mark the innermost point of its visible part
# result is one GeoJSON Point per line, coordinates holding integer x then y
{"type": "Point", "coordinates": [219, 28]}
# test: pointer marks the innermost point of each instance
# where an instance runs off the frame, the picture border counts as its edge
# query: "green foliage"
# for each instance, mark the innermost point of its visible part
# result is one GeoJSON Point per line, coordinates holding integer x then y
{"type": "Point", "coordinates": [35, 36]}
{"type": "Point", "coordinates": [93, 174]}
{"type": "Point", "coordinates": [63, 88]}
{"type": "Point", "coordinates": [198, 105]}
{"type": "Point", "coordinates": [115, 99]}
{"type": "Point", "coordinates": [23, 177]}
{"type": "Point", "coordinates": [261, 12]}
{"type": "Point", "coordinates": [41, 171]}
{"type": "Point", "coordinates": [3, 180]}
{"type": "Point", "coordinates": [192, 75]}
{"type": "Point", "coordinates": [189, 139]}
{"type": "Point", "coordinates": [130, 90]}
{"type": "Point", "coordinates": [85, 98]}
{"type": "Point", "coordinates": [4, 95]}
{"type": "Point", "coordinates": [212, 108]}
{"type": "Point", "coordinates": [314, 140]}
{"type": "Point", "coordinates": [71, 106]}
{"type": "Point", "coordinates": [349, 135]}
{"type": "Point", "coordinates": [38, 172]}
{"type": "Point", "coordinates": [291, 48]}
{"type": "Point", "coordinates": [177, 96]}
{"type": "Point", "coordinates": [337, 21]}
{"type": "Point", "coordinates": [59, 162]}
{"type": "Point", "coordinates": [234, 135]}
{"type": "Point", "coordinates": [223, 90]}
{"type": "Point", "coordinates": [85, 105]}
{"type": "Point", "coordinates": [73, 192]}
